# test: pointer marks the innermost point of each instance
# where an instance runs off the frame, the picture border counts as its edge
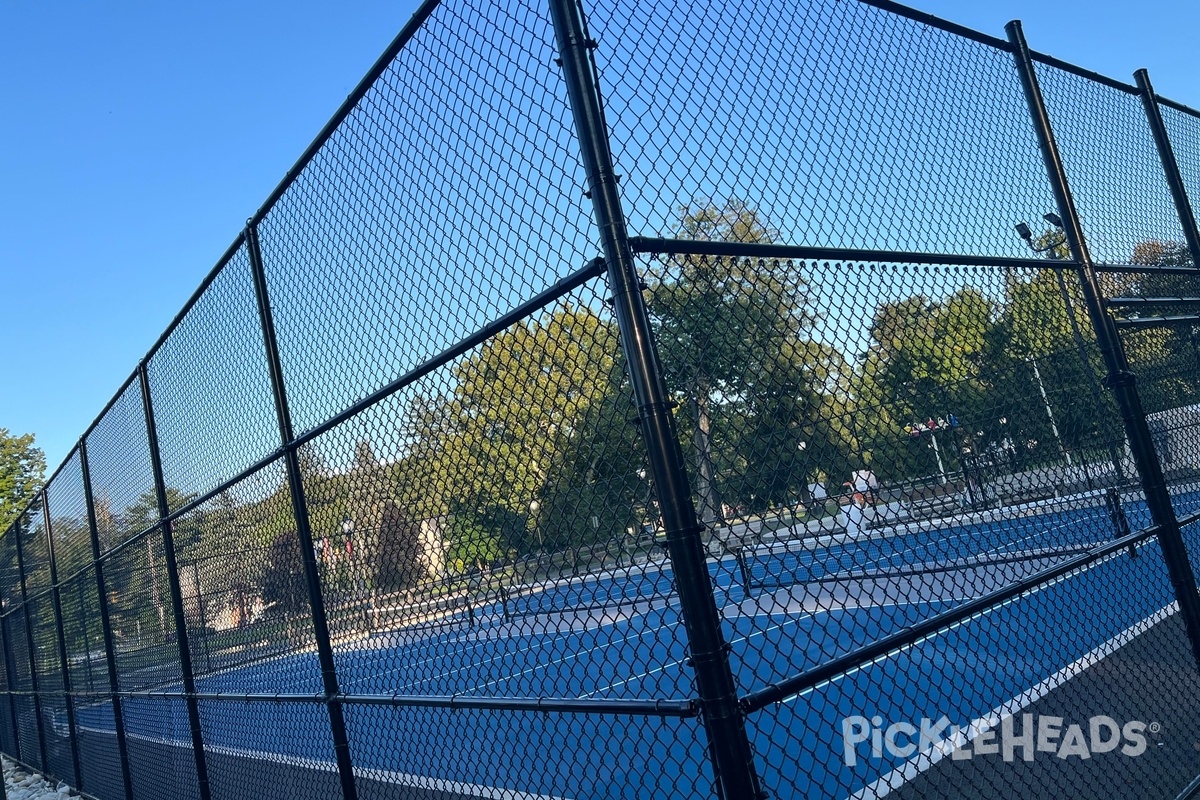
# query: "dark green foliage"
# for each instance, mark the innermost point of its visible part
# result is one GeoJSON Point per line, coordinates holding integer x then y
{"type": "Point", "coordinates": [22, 469]}
{"type": "Point", "coordinates": [398, 560]}
{"type": "Point", "coordinates": [283, 584]}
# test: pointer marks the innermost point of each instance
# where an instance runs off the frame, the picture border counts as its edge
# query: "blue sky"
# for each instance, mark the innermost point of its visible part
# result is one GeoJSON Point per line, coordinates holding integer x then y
{"type": "Point", "coordinates": [138, 137]}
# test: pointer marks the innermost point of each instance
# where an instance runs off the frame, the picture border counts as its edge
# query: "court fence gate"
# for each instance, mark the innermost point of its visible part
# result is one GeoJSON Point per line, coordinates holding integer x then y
{"type": "Point", "coordinates": [654, 400]}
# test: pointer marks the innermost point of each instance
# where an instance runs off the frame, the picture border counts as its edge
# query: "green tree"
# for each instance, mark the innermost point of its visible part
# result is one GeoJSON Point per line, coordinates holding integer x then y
{"type": "Point", "coordinates": [1166, 360]}
{"type": "Point", "coordinates": [529, 425]}
{"type": "Point", "coordinates": [732, 334]}
{"type": "Point", "coordinates": [472, 544]}
{"type": "Point", "coordinates": [139, 581]}
{"type": "Point", "coordinates": [1156, 253]}
{"type": "Point", "coordinates": [283, 583]}
{"type": "Point", "coordinates": [926, 359]}
{"type": "Point", "coordinates": [1037, 316]}
{"type": "Point", "coordinates": [1049, 344]}
{"type": "Point", "coordinates": [22, 472]}
{"type": "Point", "coordinates": [398, 558]}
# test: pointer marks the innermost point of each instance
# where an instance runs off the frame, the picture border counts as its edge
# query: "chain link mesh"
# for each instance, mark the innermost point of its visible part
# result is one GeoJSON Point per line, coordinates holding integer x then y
{"type": "Point", "coordinates": [860, 128]}
{"type": "Point", "coordinates": [446, 568]}
{"type": "Point", "coordinates": [1102, 133]}
{"type": "Point", "coordinates": [1184, 131]}
{"type": "Point", "coordinates": [449, 194]}
{"type": "Point", "coordinates": [24, 705]}
{"type": "Point", "coordinates": [122, 482]}
{"type": "Point", "coordinates": [213, 359]}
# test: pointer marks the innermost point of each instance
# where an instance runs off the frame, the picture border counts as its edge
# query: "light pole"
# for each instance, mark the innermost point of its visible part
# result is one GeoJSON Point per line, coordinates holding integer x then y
{"type": "Point", "coordinates": [534, 506]}
{"type": "Point", "coordinates": [916, 431]}
{"type": "Point", "coordinates": [937, 453]}
{"type": "Point", "coordinates": [1052, 252]}
{"type": "Point", "coordinates": [1049, 411]}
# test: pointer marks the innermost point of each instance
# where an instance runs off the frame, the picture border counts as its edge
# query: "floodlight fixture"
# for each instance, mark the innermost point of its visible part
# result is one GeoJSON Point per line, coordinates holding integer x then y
{"type": "Point", "coordinates": [1025, 233]}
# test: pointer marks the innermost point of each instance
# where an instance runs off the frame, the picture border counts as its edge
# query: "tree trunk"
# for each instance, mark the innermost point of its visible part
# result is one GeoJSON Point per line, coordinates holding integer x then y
{"type": "Point", "coordinates": [706, 486]}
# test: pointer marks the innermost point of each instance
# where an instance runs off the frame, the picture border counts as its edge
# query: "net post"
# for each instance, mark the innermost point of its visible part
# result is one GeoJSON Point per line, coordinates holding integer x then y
{"type": "Point", "coordinates": [64, 662]}
{"type": "Point", "coordinates": [312, 576]}
{"type": "Point", "coordinates": [744, 570]}
{"type": "Point", "coordinates": [1166, 154]}
{"type": "Point", "coordinates": [724, 721]}
{"type": "Point", "coordinates": [110, 653]}
{"type": "Point", "coordinates": [181, 634]}
{"type": "Point", "coordinates": [1119, 379]}
{"type": "Point", "coordinates": [30, 644]}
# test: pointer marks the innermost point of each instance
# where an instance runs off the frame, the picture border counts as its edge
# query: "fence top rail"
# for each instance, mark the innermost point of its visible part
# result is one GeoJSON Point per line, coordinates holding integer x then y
{"type": "Point", "coordinates": [1082, 72]}
{"type": "Point", "coordinates": [1004, 45]}
{"type": "Point", "coordinates": [381, 64]}
{"type": "Point", "coordinates": [705, 247]}
{"type": "Point", "coordinates": [1180, 107]}
{"type": "Point", "coordinates": [37, 497]}
{"type": "Point", "coordinates": [590, 271]}
{"type": "Point", "coordinates": [939, 23]}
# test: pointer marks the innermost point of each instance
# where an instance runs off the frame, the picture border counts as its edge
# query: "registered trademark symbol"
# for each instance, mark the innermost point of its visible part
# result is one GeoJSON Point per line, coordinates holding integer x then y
{"type": "Point", "coordinates": [1154, 728]}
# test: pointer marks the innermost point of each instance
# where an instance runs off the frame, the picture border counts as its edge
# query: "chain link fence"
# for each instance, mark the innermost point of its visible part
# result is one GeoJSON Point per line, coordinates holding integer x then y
{"type": "Point", "coordinates": [654, 400]}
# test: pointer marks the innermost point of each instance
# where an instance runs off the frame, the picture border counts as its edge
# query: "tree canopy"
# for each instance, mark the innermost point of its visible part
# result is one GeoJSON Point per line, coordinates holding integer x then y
{"type": "Point", "coordinates": [22, 470]}
{"type": "Point", "coordinates": [734, 335]}
{"type": "Point", "coordinates": [528, 444]}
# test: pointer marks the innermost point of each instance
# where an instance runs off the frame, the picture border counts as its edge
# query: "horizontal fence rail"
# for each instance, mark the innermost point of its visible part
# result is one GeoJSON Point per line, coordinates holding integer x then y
{"type": "Point", "coordinates": [654, 400]}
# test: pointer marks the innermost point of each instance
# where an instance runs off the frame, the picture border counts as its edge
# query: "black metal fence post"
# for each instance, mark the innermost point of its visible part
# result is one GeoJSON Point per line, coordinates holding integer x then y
{"type": "Point", "coordinates": [31, 644]}
{"type": "Point", "coordinates": [1120, 379]}
{"type": "Point", "coordinates": [110, 654]}
{"type": "Point", "coordinates": [723, 718]}
{"type": "Point", "coordinates": [87, 645]}
{"type": "Point", "coordinates": [181, 634]}
{"type": "Point", "coordinates": [1166, 154]}
{"type": "Point", "coordinates": [312, 576]}
{"type": "Point", "coordinates": [64, 662]}
{"type": "Point", "coordinates": [9, 671]}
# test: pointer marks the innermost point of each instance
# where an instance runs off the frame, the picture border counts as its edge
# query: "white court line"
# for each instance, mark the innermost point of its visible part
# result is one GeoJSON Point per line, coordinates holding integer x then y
{"type": "Point", "coordinates": [1006, 514]}
{"type": "Point", "coordinates": [382, 775]}
{"type": "Point", "coordinates": [571, 657]}
{"type": "Point", "coordinates": [791, 620]}
{"type": "Point", "coordinates": [469, 636]}
{"type": "Point", "coordinates": [286, 663]}
{"type": "Point", "coordinates": [746, 638]}
{"type": "Point", "coordinates": [1039, 534]}
{"type": "Point", "coordinates": [537, 642]}
{"type": "Point", "coordinates": [759, 632]}
{"type": "Point", "coordinates": [926, 759]}
{"type": "Point", "coordinates": [878, 567]}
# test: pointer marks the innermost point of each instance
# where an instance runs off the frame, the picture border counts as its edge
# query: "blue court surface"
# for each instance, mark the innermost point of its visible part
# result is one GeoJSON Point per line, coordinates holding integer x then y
{"type": "Point", "coordinates": [786, 608]}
